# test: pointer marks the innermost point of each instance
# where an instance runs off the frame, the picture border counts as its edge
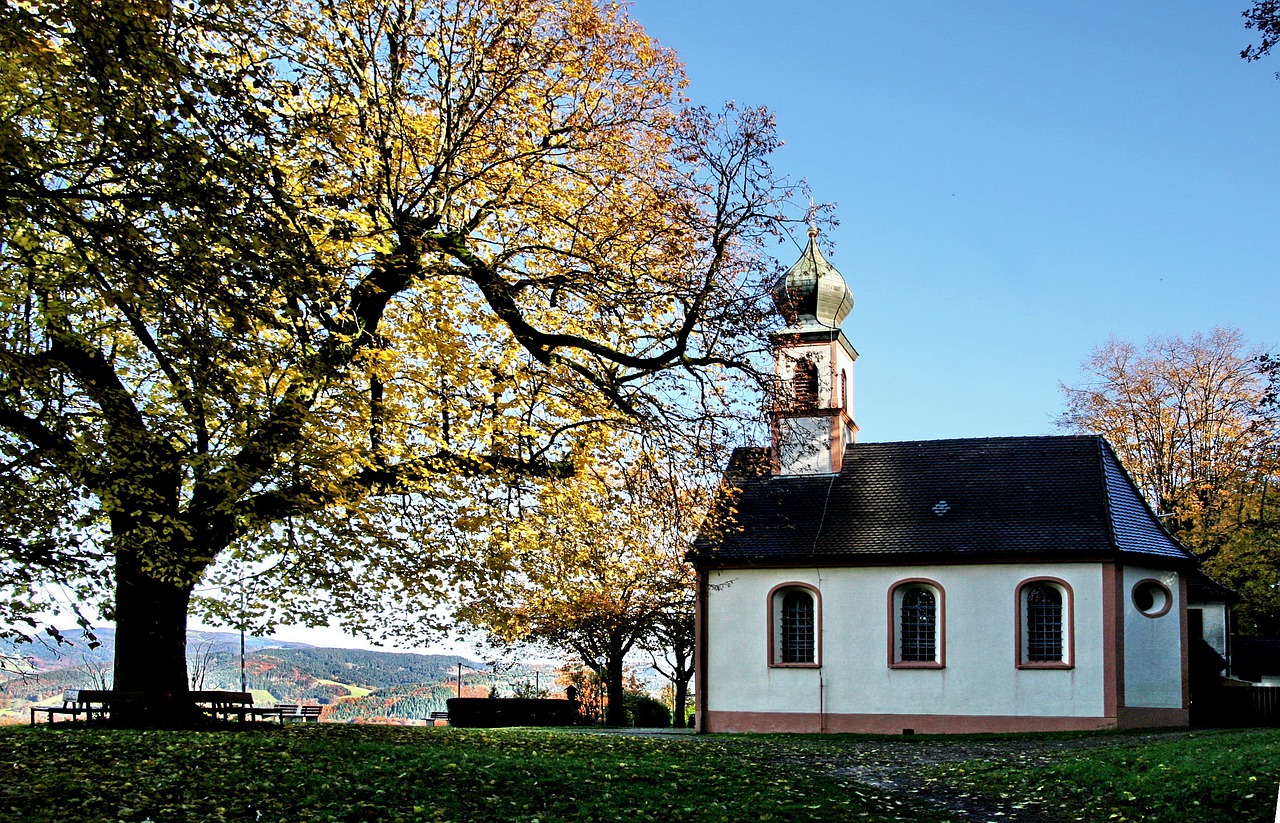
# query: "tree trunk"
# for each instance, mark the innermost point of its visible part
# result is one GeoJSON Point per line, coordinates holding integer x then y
{"type": "Point", "coordinates": [151, 647]}
{"type": "Point", "coordinates": [682, 697]}
{"type": "Point", "coordinates": [615, 713]}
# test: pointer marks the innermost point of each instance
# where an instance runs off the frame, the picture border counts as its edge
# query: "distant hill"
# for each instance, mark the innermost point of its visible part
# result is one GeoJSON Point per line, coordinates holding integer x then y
{"type": "Point", "coordinates": [356, 684]}
{"type": "Point", "coordinates": [47, 654]}
{"type": "Point", "coordinates": [371, 669]}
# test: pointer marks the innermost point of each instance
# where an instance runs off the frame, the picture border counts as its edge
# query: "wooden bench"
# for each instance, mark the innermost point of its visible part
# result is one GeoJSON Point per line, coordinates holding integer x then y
{"type": "Point", "coordinates": [292, 711]}
{"type": "Point", "coordinates": [434, 716]}
{"type": "Point", "coordinates": [91, 704]}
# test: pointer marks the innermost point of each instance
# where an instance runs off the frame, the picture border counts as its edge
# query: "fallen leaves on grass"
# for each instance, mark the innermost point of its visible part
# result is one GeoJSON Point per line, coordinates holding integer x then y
{"type": "Point", "coordinates": [370, 773]}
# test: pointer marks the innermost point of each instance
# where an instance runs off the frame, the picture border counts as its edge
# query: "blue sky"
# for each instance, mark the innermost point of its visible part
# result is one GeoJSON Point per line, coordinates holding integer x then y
{"type": "Point", "coordinates": [1015, 182]}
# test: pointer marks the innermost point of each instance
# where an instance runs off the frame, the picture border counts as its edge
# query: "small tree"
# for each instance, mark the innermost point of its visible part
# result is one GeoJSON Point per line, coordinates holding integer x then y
{"type": "Point", "coordinates": [588, 688]}
{"type": "Point", "coordinates": [592, 566]}
{"type": "Point", "coordinates": [670, 643]}
{"type": "Point", "coordinates": [200, 662]}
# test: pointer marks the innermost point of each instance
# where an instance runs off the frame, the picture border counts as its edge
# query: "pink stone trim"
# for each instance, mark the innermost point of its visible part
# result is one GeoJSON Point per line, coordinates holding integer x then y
{"type": "Point", "coordinates": [817, 723]}
{"type": "Point", "coordinates": [1112, 639]}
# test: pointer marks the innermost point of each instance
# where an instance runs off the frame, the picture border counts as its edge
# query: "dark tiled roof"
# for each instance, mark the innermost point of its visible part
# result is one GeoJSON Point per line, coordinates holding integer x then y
{"type": "Point", "coordinates": [1000, 497]}
{"type": "Point", "coordinates": [1201, 588]}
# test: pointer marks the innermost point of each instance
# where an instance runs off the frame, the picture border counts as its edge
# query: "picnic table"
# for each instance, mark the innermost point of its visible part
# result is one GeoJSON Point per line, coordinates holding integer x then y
{"type": "Point", "coordinates": [89, 704]}
{"type": "Point", "coordinates": [224, 705]}
{"type": "Point", "coordinates": [96, 704]}
{"type": "Point", "coordinates": [239, 705]}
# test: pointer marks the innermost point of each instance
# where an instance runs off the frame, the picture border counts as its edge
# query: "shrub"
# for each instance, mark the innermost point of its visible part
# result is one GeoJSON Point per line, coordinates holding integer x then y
{"type": "Point", "coordinates": [646, 712]}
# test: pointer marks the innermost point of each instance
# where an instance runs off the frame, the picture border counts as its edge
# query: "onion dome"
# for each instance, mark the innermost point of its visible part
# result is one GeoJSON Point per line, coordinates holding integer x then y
{"type": "Point", "coordinates": [813, 293]}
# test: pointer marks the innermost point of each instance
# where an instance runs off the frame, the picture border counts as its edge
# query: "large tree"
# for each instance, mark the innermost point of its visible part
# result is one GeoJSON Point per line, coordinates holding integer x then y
{"type": "Point", "coordinates": [1197, 424]}
{"type": "Point", "coordinates": [1263, 17]}
{"type": "Point", "coordinates": [293, 288]}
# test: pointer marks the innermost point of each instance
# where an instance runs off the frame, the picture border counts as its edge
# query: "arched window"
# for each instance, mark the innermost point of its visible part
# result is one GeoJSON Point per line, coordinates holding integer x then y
{"type": "Point", "coordinates": [794, 632]}
{"type": "Point", "coordinates": [797, 627]}
{"type": "Point", "coordinates": [804, 384]}
{"type": "Point", "coordinates": [919, 611]}
{"type": "Point", "coordinates": [844, 389]}
{"type": "Point", "coordinates": [1044, 624]}
{"type": "Point", "coordinates": [917, 625]}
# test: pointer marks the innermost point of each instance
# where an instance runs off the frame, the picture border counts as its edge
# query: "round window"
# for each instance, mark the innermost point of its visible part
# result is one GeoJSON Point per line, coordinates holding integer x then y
{"type": "Point", "coordinates": [1152, 598]}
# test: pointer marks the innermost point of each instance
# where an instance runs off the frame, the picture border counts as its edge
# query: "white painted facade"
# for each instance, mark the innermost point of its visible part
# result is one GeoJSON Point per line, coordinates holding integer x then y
{"type": "Point", "coordinates": [1153, 660]}
{"type": "Point", "coordinates": [1215, 622]}
{"type": "Point", "coordinates": [854, 687]}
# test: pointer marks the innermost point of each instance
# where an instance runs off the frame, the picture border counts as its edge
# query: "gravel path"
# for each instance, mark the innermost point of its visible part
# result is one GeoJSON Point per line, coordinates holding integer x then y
{"type": "Point", "coordinates": [894, 764]}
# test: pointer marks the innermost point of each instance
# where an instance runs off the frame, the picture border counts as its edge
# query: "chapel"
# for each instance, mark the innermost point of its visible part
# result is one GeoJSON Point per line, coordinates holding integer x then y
{"type": "Point", "coordinates": [937, 586]}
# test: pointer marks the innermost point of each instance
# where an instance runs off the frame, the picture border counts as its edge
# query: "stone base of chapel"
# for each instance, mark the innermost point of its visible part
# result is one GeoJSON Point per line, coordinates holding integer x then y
{"type": "Point", "coordinates": [806, 723]}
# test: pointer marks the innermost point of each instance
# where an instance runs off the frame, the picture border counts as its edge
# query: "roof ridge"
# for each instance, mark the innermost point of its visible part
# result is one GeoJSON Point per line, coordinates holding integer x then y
{"type": "Point", "coordinates": [1103, 448]}
{"type": "Point", "coordinates": [1142, 499]}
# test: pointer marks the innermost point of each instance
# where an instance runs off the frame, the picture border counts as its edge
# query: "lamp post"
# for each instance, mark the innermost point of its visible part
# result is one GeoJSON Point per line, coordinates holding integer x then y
{"type": "Point", "coordinates": [243, 682]}
{"type": "Point", "coordinates": [461, 665]}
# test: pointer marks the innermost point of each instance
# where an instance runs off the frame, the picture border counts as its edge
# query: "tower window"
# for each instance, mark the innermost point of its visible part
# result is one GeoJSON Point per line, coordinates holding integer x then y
{"type": "Point", "coordinates": [844, 389]}
{"type": "Point", "coordinates": [804, 384]}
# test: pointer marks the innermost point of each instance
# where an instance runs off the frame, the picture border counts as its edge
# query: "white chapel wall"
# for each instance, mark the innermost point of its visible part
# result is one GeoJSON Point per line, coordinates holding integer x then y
{"type": "Point", "coordinates": [804, 445]}
{"type": "Point", "coordinates": [981, 676]}
{"type": "Point", "coordinates": [1152, 645]}
{"type": "Point", "coordinates": [1215, 617]}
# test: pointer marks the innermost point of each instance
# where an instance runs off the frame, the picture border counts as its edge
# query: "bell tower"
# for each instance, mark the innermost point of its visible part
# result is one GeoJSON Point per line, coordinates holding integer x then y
{"type": "Point", "coordinates": [812, 417]}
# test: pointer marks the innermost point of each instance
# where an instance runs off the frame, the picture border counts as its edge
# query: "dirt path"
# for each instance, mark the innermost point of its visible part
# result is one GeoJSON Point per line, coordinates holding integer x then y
{"type": "Point", "coordinates": [894, 764]}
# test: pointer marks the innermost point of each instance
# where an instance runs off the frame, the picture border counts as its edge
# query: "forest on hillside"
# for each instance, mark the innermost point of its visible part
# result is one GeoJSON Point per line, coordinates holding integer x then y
{"type": "Point", "coordinates": [354, 685]}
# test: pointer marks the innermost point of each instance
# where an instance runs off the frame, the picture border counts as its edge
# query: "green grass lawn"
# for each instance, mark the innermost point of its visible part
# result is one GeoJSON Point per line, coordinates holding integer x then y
{"type": "Point", "coordinates": [1204, 777]}
{"type": "Point", "coordinates": [330, 772]}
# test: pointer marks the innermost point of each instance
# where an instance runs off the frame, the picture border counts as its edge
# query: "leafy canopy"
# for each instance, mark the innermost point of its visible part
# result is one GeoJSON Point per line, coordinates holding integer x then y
{"type": "Point", "coordinates": [302, 287]}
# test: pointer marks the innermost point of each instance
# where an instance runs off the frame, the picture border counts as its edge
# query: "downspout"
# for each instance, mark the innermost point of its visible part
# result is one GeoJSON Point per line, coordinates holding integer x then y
{"type": "Point", "coordinates": [817, 570]}
{"type": "Point", "coordinates": [822, 685]}
{"type": "Point", "coordinates": [702, 693]}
